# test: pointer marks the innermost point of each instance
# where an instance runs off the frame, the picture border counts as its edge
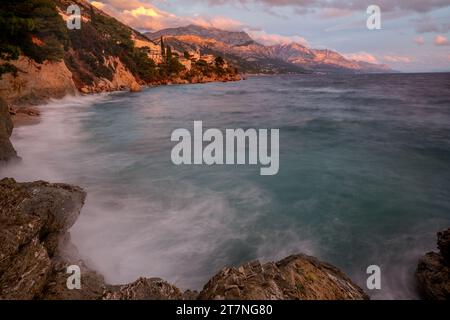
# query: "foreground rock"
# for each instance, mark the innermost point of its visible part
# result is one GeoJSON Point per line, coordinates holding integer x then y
{"type": "Point", "coordinates": [295, 277]}
{"type": "Point", "coordinates": [144, 289]}
{"type": "Point", "coordinates": [7, 151]}
{"type": "Point", "coordinates": [33, 216]}
{"type": "Point", "coordinates": [35, 251]}
{"type": "Point", "coordinates": [35, 248]}
{"type": "Point", "coordinates": [433, 271]}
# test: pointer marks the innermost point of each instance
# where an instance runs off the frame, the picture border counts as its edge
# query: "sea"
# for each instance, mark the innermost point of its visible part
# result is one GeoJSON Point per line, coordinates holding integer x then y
{"type": "Point", "coordinates": [364, 176]}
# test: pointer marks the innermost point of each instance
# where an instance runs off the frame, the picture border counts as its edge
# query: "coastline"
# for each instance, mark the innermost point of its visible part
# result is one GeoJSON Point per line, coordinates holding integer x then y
{"type": "Point", "coordinates": [28, 113]}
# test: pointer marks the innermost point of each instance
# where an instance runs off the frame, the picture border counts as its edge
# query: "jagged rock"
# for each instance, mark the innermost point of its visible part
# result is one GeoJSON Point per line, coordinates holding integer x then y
{"type": "Point", "coordinates": [444, 245]}
{"type": "Point", "coordinates": [32, 217]}
{"type": "Point", "coordinates": [27, 273]}
{"type": "Point", "coordinates": [92, 283]}
{"type": "Point", "coordinates": [144, 289]}
{"type": "Point", "coordinates": [7, 151]}
{"type": "Point", "coordinates": [295, 277]}
{"type": "Point", "coordinates": [433, 271]}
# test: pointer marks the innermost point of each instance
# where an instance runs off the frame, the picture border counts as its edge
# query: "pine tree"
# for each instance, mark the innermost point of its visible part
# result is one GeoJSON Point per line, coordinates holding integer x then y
{"type": "Point", "coordinates": [163, 49]}
{"type": "Point", "coordinates": [169, 53]}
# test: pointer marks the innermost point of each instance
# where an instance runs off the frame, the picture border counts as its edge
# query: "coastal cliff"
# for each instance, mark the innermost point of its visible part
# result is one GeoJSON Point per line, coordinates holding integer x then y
{"type": "Point", "coordinates": [41, 58]}
{"type": "Point", "coordinates": [35, 251]}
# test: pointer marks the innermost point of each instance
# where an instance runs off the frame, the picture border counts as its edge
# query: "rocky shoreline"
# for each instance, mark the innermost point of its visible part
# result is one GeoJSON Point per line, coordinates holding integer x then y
{"type": "Point", "coordinates": [24, 111]}
{"type": "Point", "coordinates": [35, 251]}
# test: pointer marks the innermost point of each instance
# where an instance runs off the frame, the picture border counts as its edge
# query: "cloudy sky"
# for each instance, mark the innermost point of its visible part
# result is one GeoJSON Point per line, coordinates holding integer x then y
{"type": "Point", "coordinates": [414, 34]}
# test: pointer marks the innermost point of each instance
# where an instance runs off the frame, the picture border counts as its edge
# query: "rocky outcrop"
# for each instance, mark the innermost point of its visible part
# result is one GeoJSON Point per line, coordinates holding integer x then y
{"type": "Point", "coordinates": [35, 248]}
{"type": "Point", "coordinates": [33, 216]}
{"type": "Point", "coordinates": [7, 151]}
{"type": "Point", "coordinates": [36, 82]}
{"type": "Point", "coordinates": [122, 79]}
{"type": "Point", "coordinates": [35, 252]}
{"type": "Point", "coordinates": [144, 289]}
{"type": "Point", "coordinates": [298, 277]}
{"type": "Point", "coordinates": [433, 270]}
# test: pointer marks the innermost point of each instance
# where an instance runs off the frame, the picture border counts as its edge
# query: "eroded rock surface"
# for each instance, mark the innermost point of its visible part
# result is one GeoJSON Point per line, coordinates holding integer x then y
{"type": "Point", "coordinates": [32, 218]}
{"type": "Point", "coordinates": [7, 151]}
{"type": "Point", "coordinates": [295, 277]}
{"type": "Point", "coordinates": [433, 270]}
{"type": "Point", "coordinates": [144, 289]}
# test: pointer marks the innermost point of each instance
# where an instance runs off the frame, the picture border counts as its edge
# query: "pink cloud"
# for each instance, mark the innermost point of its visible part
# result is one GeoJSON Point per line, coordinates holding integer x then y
{"type": "Point", "coordinates": [272, 39]}
{"type": "Point", "coordinates": [142, 15]}
{"type": "Point", "coordinates": [362, 56]}
{"type": "Point", "coordinates": [219, 23]}
{"type": "Point", "coordinates": [441, 41]}
{"type": "Point", "coordinates": [333, 13]}
{"type": "Point", "coordinates": [419, 40]}
{"type": "Point", "coordinates": [397, 58]}
{"type": "Point", "coordinates": [367, 57]}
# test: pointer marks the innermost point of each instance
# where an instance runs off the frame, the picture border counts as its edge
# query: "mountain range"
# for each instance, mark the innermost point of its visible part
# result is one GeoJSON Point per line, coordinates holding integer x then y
{"type": "Point", "coordinates": [253, 57]}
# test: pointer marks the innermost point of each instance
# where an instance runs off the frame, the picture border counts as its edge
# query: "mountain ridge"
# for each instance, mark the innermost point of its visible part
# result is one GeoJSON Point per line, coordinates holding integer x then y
{"type": "Point", "coordinates": [254, 57]}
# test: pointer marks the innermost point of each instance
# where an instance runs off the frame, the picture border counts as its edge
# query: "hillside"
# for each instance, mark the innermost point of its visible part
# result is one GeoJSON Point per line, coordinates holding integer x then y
{"type": "Point", "coordinates": [253, 57]}
{"type": "Point", "coordinates": [41, 58]}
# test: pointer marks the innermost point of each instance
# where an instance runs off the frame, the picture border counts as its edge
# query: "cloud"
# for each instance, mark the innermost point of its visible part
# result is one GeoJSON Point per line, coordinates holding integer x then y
{"type": "Point", "coordinates": [362, 56]}
{"type": "Point", "coordinates": [419, 40]}
{"type": "Point", "coordinates": [333, 13]}
{"type": "Point", "coordinates": [441, 41]}
{"type": "Point", "coordinates": [371, 58]}
{"type": "Point", "coordinates": [219, 23]}
{"type": "Point", "coordinates": [398, 59]}
{"type": "Point", "coordinates": [138, 14]}
{"type": "Point", "coordinates": [427, 24]}
{"type": "Point", "coordinates": [143, 15]}
{"type": "Point", "coordinates": [386, 5]}
{"type": "Point", "coordinates": [273, 39]}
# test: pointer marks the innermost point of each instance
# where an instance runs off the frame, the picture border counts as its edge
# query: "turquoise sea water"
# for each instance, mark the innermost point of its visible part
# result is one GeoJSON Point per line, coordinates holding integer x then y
{"type": "Point", "coordinates": [364, 176]}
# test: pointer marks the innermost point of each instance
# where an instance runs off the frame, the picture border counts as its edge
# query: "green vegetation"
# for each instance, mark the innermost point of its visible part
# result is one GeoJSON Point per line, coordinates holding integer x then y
{"type": "Point", "coordinates": [33, 28]}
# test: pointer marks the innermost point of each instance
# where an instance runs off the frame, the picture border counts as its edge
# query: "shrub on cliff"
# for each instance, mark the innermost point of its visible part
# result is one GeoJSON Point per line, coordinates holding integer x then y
{"type": "Point", "coordinates": [33, 28]}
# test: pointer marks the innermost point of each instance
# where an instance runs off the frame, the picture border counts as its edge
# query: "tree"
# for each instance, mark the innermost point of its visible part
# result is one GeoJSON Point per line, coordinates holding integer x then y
{"type": "Point", "coordinates": [163, 49]}
{"type": "Point", "coordinates": [33, 28]}
{"type": "Point", "coordinates": [168, 53]}
{"type": "Point", "coordinates": [219, 62]}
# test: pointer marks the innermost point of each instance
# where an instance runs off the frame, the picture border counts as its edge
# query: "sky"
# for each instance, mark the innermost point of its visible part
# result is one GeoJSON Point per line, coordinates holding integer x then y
{"type": "Point", "coordinates": [414, 34]}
